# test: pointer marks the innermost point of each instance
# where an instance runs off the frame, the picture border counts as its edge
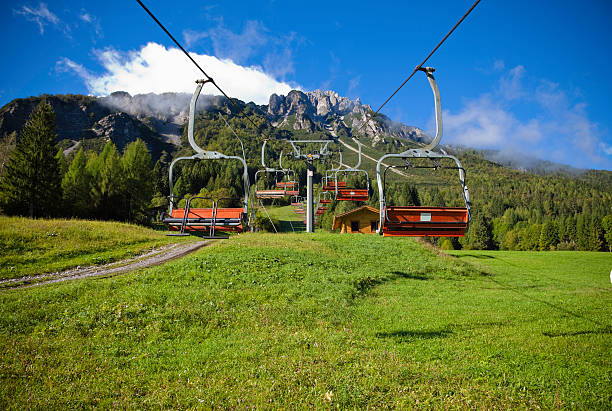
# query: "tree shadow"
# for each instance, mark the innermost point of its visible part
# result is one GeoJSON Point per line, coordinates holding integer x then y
{"type": "Point", "coordinates": [520, 290]}
{"type": "Point", "coordinates": [407, 336]}
{"type": "Point", "coordinates": [574, 333]}
{"type": "Point", "coordinates": [480, 256]}
{"type": "Point", "coordinates": [412, 276]}
{"type": "Point", "coordinates": [291, 226]}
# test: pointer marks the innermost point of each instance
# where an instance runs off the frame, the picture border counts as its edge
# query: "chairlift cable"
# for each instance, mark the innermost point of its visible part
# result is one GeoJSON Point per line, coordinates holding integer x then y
{"type": "Point", "coordinates": [208, 78]}
{"type": "Point", "coordinates": [419, 67]}
{"type": "Point", "coordinates": [232, 130]}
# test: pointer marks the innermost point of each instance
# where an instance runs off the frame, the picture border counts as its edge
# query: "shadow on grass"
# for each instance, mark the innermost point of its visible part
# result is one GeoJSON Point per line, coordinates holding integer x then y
{"type": "Point", "coordinates": [363, 285]}
{"type": "Point", "coordinates": [520, 290]}
{"type": "Point", "coordinates": [291, 226]}
{"type": "Point", "coordinates": [474, 256]}
{"type": "Point", "coordinates": [413, 276]}
{"type": "Point", "coordinates": [574, 333]}
{"type": "Point", "coordinates": [407, 336]}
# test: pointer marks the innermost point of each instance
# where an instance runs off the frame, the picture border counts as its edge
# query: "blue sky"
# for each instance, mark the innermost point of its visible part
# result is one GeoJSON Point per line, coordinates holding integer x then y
{"type": "Point", "coordinates": [529, 78]}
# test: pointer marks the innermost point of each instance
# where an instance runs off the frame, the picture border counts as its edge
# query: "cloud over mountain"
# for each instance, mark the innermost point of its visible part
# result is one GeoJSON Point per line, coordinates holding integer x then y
{"type": "Point", "coordinates": [526, 117]}
{"type": "Point", "coordinates": [157, 69]}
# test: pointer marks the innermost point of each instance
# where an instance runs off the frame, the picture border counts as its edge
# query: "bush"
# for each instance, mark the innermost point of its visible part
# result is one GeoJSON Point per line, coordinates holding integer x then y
{"type": "Point", "coordinates": [262, 222]}
{"type": "Point", "coordinates": [447, 244]}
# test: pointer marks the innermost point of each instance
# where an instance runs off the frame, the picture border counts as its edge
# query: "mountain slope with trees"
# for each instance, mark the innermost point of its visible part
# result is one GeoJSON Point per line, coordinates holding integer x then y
{"type": "Point", "coordinates": [512, 209]}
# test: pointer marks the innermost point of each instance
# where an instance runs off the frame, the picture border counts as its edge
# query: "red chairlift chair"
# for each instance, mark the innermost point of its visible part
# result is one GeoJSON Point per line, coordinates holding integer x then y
{"type": "Point", "coordinates": [345, 193]}
{"type": "Point", "coordinates": [417, 221]}
{"type": "Point", "coordinates": [201, 219]}
{"type": "Point", "coordinates": [263, 193]}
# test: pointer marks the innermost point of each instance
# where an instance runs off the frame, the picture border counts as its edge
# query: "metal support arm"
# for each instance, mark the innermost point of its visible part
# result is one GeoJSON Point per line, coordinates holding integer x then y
{"type": "Point", "coordinates": [211, 155]}
{"type": "Point", "coordinates": [436, 92]}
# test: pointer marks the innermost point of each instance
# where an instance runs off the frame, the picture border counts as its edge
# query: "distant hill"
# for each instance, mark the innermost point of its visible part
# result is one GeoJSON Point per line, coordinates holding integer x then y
{"type": "Point", "coordinates": [86, 120]}
{"type": "Point", "coordinates": [159, 119]}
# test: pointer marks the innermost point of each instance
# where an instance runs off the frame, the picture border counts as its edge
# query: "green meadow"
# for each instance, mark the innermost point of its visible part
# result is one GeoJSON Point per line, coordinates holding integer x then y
{"type": "Point", "coordinates": [317, 320]}
{"type": "Point", "coordinates": [29, 247]}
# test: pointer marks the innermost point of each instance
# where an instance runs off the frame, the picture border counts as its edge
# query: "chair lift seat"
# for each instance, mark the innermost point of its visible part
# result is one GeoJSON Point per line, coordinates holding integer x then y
{"type": "Point", "coordinates": [200, 219]}
{"type": "Point", "coordinates": [352, 194]}
{"type": "Point", "coordinates": [292, 192]}
{"type": "Point", "coordinates": [324, 201]}
{"type": "Point", "coordinates": [331, 185]}
{"type": "Point", "coordinates": [270, 193]}
{"type": "Point", "coordinates": [418, 221]}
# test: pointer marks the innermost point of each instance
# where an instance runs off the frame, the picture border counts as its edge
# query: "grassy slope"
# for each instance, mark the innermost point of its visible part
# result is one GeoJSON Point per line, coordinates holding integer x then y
{"type": "Point", "coordinates": [308, 319]}
{"type": "Point", "coordinates": [286, 213]}
{"type": "Point", "coordinates": [37, 246]}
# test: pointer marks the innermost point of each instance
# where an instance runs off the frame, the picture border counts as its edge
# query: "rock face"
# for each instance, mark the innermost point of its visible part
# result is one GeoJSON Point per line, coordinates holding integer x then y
{"type": "Point", "coordinates": [158, 119]}
{"type": "Point", "coordinates": [82, 118]}
{"type": "Point", "coordinates": [74, 115]}
{"type": "Point", "coordinates": [326, 110]}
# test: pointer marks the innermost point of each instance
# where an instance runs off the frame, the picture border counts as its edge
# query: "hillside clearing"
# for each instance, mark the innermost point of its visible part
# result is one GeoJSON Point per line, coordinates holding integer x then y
{"type": "Point", "coordinates": [149, 259]}
{"type": "Point", "coordinates": [31, 247]}
{"type": "Point", "coordinates": [318, 320]}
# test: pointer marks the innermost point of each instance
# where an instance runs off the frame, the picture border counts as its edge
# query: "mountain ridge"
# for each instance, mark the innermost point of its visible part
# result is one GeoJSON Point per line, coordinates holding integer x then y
{"type": "Point", "coordinates": [159, 120]}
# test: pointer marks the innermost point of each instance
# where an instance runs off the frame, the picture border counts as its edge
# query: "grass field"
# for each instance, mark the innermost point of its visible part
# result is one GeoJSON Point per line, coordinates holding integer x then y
{"type": "Point", "coordinates": [30, 247]}
{"type": "Point", "coordinates": [319, 320]}
{"type": "Point", "coordinates": [289, 221]}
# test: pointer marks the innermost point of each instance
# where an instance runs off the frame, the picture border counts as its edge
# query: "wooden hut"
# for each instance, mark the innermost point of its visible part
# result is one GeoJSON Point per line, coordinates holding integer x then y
{"type": "Point", "coordinates": [363, 220]}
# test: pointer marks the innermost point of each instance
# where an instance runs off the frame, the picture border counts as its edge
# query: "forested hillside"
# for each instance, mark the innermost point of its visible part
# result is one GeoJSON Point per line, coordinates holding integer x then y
{"type": "Point", "coordinates": [511, 209]}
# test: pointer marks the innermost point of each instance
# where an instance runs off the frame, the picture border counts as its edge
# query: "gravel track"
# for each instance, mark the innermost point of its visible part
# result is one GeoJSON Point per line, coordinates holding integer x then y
{"type": "Point", "coordinates": [149, 259]}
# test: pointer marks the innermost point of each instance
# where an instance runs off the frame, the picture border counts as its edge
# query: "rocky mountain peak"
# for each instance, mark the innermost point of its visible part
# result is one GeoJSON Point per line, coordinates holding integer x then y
{"type": "Point", "coordinates": [326, 110]}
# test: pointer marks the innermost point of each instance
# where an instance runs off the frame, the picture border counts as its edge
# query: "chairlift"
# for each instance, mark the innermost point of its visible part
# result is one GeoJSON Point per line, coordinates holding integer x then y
{"type": "Point", "coordinates": [290, 183]}
{"type": "Point", "coordinates": [190, 219]}
{"type": "Point", "coordinates": [324, 197]}
{"type": "Point", "coordinates": [330, 180]}
{"type": "Point", "coordinates": [295, 201]}
{"type": "Point", "coordinates": [351, 193]}
{"type": "Point", "coordinates": [417, 221]}
{"type": "Point", "coordinates": [273, 192]}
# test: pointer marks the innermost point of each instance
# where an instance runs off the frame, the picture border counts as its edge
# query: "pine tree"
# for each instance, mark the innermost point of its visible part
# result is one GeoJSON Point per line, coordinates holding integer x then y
{"type": "Point", "coordinates": [7, 146]}
{"type": "Point", "coordinates": [31, 181]}
{"type": "Point", "coordinates": [107, 187]}
{"type": "Point", "coordinates": [76, 186]}
{"type": "Point", "coordinates": [62, 164]}
{"type": "Point", "coordinates": [480, 235]}
{"type": "Point", "coordinates": [137, 174]}
{"type": "Point", "coordinates": [607, 226]}
{"type": "Point", "coordinates": [548, 236]}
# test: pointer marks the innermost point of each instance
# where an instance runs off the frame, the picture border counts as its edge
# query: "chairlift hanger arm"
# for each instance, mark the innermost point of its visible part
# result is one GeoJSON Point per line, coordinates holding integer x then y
{"type": "Point", "coordinates": [213, 155]}
{"type": "Point", "coordinates": [323, 149]}
{"type": "Point", "coordinates": [438, 107]}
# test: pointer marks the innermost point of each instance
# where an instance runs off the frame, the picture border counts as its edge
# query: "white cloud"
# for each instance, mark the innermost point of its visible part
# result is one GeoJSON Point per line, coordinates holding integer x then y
{"type": "Point", "coordinates": [65, 64]}
{"type": "Point", "coordinates": [533, 117]}
{"type": "Point", "coordinates": [498, 65]}
{"type": "Point", "coordinates": [91, 22]}
{"type": "Point", "coordinates": [156, 69]}
{"type": "Point", "coordinates": [254, 42]}
{"type": "Point", "coordinates": [41, 15]}
{"type": "Point", "coordinates": [191, 37]}
{"type": "Point", "coordinates": [353, 85]}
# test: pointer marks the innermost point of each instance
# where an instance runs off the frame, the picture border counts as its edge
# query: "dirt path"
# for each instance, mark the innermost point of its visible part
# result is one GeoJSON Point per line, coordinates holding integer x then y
{"type": "Point", "coordinates": [153, 257]}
